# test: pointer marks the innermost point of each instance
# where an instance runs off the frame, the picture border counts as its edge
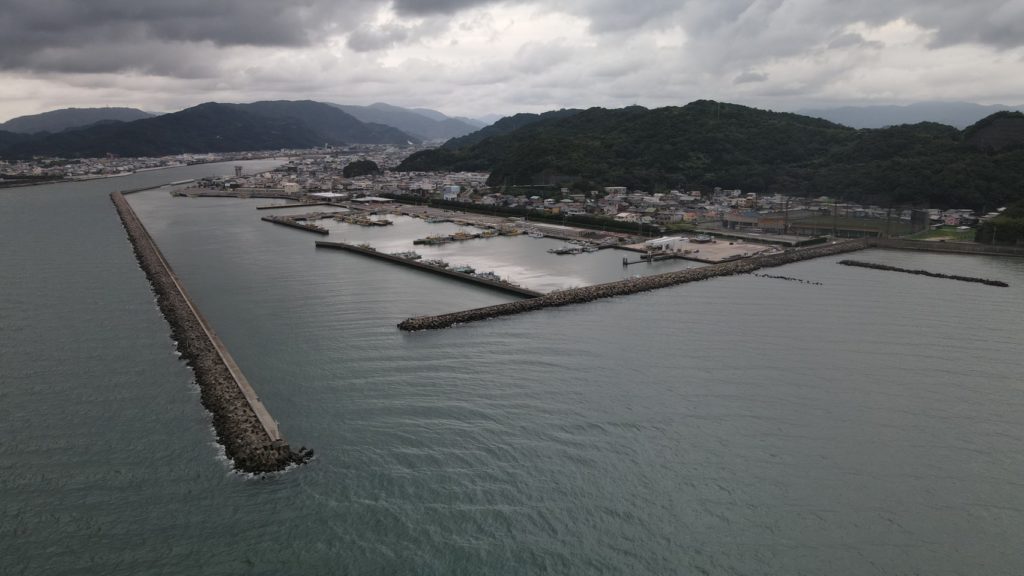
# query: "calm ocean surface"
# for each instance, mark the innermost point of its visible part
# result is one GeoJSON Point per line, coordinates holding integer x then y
{"type": "Point", "coordinates": [743, 425]}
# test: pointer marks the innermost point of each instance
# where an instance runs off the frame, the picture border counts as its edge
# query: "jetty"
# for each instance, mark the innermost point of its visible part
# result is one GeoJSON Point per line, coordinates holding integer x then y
{"type": "Point", "coordinates": [630, 286]}
{"type": "Point", "coordinates": [249, 434]}
{"type": "Point", "coordinates": [443, 271]}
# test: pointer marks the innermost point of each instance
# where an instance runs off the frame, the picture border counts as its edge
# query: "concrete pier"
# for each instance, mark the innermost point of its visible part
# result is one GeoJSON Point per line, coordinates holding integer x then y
{"type": "Point", "coordinates": [629, 286]}
{"type": "Point", "coordinates": [518, 291]}
{"type": "Point", "coordinates": [244, 427]}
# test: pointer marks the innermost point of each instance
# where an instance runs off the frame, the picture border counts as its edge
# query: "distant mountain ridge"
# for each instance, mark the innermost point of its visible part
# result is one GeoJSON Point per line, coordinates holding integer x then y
{"type": "Point", "coordinates": [66, 118]}
{"type": "Point", "coordinates": [423, 123]}
{"type": "Point", "coordinates": [213, 127]}
{"type": "Point", "coordinates": [959, 115]}
{"type": "Point", "coordinates": [707, 144]}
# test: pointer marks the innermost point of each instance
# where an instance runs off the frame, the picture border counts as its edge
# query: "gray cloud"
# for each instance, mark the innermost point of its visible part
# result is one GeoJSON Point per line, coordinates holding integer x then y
{"type": "Point", "coordinates": [850, 40]}
{"type": "Point", "coordinates": [749, 77]}
{"type": "Point", "coordinates": [30, 28]}
{"type": "Point", "coordinates": [435, 7]}
{"type": "Point", "coordinates": [611, 52]}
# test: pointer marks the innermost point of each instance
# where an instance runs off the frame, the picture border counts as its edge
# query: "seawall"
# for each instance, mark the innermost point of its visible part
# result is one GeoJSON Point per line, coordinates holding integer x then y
{"type": "Point", "coordinates": [244, 427]}
{"type": "Point", "coordinates": [629, 286]}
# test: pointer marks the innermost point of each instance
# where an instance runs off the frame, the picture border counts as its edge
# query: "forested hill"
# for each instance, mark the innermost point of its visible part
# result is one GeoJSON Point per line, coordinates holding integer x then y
{"type": "Point", "coordinates": [706, 144]}
{"type": "Point", "coordinates": [211, 127]}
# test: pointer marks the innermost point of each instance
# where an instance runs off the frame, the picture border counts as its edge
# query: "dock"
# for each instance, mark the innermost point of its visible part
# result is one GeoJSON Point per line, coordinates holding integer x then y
{"type": "Point", "coordinates": [507, 288]}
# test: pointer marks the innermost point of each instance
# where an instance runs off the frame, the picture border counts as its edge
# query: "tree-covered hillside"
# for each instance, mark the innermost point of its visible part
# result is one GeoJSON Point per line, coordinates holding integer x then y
{"type": "Point", "coordinates": [706, 144]}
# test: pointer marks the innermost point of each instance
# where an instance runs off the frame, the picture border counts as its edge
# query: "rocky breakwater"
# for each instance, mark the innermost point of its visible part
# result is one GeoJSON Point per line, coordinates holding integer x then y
{"type": "Point", "coordinates": [630, 286]}
{"type": "Point", "coordinates": [874, 266]}
{"type": "Point", "coordinates": [244, 427]}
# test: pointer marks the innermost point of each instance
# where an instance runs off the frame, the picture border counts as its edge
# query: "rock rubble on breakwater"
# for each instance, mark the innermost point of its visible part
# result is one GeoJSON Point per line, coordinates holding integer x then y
{"type": "Point", "coordinates": [629, 286]}
{"type": "Point", "coordinates": [888, 268]}
{"type": "Point", "coordinates": [252, 444]}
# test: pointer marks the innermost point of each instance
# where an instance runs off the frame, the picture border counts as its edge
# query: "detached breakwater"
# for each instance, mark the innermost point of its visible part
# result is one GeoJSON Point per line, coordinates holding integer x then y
{"type": "Point", "coordinates": [888, 268]}
{"type": "Point", "coordinates": [629, 286]}
{"type": "Point", "coordinates": [249, 434]}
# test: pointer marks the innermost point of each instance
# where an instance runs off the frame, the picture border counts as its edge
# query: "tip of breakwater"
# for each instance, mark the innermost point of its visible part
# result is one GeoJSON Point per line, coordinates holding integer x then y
{"type": "Point", "coordinates": [243, 426]}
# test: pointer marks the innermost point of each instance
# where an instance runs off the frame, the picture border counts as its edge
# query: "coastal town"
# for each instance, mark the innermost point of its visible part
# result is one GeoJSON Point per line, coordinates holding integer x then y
{"type": "Point", "coordinates": [319, 174]}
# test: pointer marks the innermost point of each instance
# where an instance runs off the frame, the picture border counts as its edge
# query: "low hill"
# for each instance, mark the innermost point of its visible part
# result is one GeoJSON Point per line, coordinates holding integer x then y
{"type": "Point", "coordinates": [706, 144]}
{"type": "Point", "coordinates": [214, 127]}
{"type": "Point", "coordinates": [60, 120]}
{"type": "Point", "coordinates": [421, 122]}
{"type": "Point", "coordinates": [506, 125]}
{"type": "Point", "coordinates": [998, 132]}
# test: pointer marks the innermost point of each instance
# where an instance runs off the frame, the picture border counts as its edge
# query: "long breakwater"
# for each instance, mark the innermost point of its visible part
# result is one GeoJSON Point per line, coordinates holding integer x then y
{"type": "Point", "coordinates": [244, 427]}
{"type": "Point", "coordinates": [629, 286]}
{"type": "Point", "coordinates": [885, 267]}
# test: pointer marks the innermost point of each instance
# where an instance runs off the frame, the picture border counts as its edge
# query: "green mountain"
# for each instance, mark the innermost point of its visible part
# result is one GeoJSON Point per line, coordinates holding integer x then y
{"type": "Point", "coordinates": [10, 138]}
{"type": "Point", "coordinates": [706, 144]}
{"type": "Point", "coordinates": [65, 118]}
{"type": "Point", "coordinates": [213, 127]}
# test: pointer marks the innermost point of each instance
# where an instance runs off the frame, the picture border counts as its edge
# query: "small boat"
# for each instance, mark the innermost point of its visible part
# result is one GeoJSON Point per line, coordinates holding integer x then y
{"type": "Point", "coordinates": [565, 250]}
{"type": "Point", "coordinates": [702, 239]}
{"type": "Point", "coordinates": [535, 234]}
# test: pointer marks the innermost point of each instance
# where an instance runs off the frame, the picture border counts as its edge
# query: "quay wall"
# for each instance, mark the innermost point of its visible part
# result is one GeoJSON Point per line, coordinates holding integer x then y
{"type": "Point", "coordinates": [524, 292]}
{"type": "Point", "coordinates": [629, 286]}
{"type": "Point", "coordinates": [244, 427]}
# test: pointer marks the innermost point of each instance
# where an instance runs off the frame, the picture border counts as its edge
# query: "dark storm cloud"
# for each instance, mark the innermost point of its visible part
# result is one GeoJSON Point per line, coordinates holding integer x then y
{"type": "Point", "coordinates": [435, 7]}
{"type": "Point", "coordinates": [186, 38]}
{"type": "Point", "coordinates": [33, 32]}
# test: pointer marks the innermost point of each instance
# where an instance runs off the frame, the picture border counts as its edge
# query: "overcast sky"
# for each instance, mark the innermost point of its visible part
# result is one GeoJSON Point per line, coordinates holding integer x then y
{"type": "Point", "coordinates": [476, 57]}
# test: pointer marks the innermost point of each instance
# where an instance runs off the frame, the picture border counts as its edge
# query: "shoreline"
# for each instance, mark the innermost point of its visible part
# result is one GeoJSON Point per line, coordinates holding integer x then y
{"type": "Point", "coordinates": [244, 427]}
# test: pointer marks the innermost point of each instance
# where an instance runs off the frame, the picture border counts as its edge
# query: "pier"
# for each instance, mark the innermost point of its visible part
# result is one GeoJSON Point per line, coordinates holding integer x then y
{"type": "Point", "coordinates": [245, 428]}
{"type": "Point", "coordinates": [507, 288]}
{"type": "Point", "coordinates": [629, 286]}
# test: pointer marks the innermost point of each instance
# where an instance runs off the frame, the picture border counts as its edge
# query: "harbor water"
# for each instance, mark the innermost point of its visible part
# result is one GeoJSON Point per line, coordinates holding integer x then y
{"type": "Point", "coordinates": [871, 424]}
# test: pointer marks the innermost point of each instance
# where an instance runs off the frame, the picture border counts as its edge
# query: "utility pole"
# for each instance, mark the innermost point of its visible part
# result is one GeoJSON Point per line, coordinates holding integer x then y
{"type": "Point", "coordinates": [835, 218]}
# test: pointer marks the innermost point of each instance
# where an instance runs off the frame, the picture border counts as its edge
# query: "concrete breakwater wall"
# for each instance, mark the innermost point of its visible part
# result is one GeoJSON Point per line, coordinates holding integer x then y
{"type": "Point", "coordinates": [244, 427]}
{"type": "Point", "coordinates": [629, 286]}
